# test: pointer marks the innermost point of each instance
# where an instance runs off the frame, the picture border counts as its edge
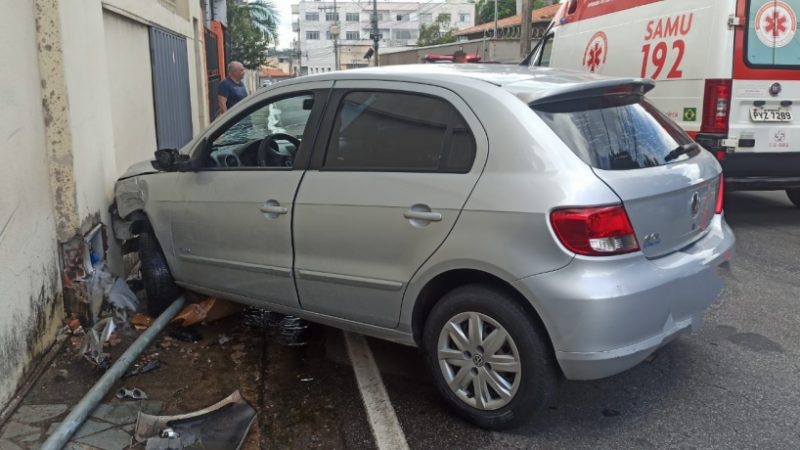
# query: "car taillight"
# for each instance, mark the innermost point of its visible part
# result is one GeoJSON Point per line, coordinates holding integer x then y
{"type": "Point", "coordinates": [716, 106]}
{"type": "Point", "coordinates": [595, 231]}
{"type": "Point", "coordinates": [720, 195]}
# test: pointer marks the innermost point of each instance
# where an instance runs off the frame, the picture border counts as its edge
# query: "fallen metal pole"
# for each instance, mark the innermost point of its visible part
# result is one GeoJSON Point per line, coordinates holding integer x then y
{"type": "Point", "coordinates": [89, 402]}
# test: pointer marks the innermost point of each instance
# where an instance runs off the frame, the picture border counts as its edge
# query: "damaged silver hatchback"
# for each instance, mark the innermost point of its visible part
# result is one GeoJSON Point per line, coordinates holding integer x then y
{"type": "Point", "coordinates": [517, 225]}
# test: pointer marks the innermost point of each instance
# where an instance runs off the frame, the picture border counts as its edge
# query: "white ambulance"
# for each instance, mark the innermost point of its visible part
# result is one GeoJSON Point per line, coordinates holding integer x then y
{"type": "Point", "coordinates": [727, 71]}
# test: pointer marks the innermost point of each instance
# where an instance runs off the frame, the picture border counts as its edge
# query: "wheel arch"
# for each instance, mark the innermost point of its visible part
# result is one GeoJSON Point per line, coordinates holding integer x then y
{"type": "Point", "coordinates": [441, 284]}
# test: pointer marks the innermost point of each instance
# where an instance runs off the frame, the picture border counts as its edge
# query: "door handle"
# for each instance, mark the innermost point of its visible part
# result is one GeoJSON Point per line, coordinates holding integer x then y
{"type": "Point", "coordinates": [273, 209]}
{"type": "Point", "coordinates": [429, 216]}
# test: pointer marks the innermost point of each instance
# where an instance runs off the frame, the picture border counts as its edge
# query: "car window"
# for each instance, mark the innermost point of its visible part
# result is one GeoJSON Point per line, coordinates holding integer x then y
{"type": "Point", "coordinates": [394, 131]}
{"type": "Point", "coordinates": [243, 142]}
{"type": "Point", "coordinates": [547, 50]}
{"type": "Point", "coordinates": [772, 40]}
{"type": "Point", "coordinates": [615, 134]}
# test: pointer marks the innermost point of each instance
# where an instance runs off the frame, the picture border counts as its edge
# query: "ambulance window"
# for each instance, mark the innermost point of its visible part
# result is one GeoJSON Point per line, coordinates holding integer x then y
{"type": "Point", "coordinates": [573, 5]}
{"type": "Point", "coordinates": [771, 40]}
{"type": "Point", "coordinates": [547, 50]}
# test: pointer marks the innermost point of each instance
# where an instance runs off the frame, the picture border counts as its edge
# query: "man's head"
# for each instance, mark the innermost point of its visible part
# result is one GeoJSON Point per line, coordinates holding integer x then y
{"type": "Point", "coordinates": [236, 71]}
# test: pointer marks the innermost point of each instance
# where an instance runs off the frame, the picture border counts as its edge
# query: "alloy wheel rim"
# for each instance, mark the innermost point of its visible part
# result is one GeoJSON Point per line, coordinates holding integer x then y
{"type": "Point", "coordinates": [479, 361]}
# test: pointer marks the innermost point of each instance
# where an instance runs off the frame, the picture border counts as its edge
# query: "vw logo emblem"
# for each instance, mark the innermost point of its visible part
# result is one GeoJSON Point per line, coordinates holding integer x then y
{"type": "Point", "coordinates": [477, 359]}
{"type": "Point", "coordinates": [775, 89]}
{"type": "Point", "coordinates": [695, 204]}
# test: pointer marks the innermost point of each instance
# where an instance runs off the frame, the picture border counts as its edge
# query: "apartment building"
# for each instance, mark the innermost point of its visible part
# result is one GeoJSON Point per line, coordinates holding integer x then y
{"type": "Point", "coordinates": [336, 35]}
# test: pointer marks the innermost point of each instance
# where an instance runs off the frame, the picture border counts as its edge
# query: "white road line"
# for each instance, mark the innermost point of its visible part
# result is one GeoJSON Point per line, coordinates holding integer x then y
{"type": "Point", "coordinates": [380, 412]}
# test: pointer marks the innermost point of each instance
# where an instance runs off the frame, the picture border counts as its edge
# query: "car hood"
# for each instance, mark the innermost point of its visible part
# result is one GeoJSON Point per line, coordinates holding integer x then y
{"type": "Point", "coordinates": [139, 168]}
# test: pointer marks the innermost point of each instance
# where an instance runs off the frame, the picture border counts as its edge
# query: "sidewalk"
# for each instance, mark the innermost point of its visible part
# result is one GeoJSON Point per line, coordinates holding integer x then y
{"type": "Point", "coordinates": [192, 376]}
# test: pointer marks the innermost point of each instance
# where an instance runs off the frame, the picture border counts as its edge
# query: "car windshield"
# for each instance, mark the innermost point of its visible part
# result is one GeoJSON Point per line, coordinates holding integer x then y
{"type": "Point", "coordinates": [616, 133]}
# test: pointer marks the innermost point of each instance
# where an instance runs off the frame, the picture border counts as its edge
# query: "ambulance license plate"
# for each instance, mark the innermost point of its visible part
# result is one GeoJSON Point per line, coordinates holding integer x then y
{"type": "Point", "coordinates": [759, 114]}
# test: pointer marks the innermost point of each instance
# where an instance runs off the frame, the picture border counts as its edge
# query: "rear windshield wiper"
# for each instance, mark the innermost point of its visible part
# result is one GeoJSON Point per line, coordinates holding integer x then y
{"type": "Point", "coordinates": [681, 150]}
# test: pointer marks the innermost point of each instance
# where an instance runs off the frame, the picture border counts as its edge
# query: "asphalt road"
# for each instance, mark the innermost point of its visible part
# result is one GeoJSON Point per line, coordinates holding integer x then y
{"type": "Point", "coordinates": [736, 384]}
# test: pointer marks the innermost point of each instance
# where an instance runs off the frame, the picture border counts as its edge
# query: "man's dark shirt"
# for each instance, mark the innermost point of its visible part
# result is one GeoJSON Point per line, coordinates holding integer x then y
{"type": "Point", "coordinates": [232, 91]}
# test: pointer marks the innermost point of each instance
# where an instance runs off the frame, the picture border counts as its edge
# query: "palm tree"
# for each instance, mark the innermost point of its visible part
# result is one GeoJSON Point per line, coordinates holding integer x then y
{"type": "Point", "coordinates": [261, 13]}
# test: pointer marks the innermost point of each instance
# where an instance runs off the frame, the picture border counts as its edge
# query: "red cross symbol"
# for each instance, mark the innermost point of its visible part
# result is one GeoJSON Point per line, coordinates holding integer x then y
{"type": "Point", "coordinates": [776, 24]}
{"type": "Point", "coordinates": [593, 61]}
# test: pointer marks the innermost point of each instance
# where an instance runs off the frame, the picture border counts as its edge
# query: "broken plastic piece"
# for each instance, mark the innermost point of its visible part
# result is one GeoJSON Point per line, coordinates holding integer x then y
{"type": "Point", "coordinates": [222, 426]}
{"type": "Point", "coordinates": [122, 297]}
{"type": "Point", "coordinates": [149, 367]}
{"type": "Point", "coordinates": [208, 310]}
{"type": "Point", "coordinates": [92, 344]}
{"type": "Point", "coordinates": [135, 393]}
{"type": "Point", "coordinates": [141, 321]}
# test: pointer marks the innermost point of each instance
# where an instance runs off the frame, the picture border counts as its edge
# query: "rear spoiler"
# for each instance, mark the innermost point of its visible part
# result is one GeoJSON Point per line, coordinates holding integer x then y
{"type": "Point", "coordinates": [596, 88]}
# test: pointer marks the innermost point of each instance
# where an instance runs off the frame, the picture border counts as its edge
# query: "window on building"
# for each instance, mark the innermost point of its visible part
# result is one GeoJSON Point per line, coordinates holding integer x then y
{"type": "Point", "coordinates": [355, 65]}
{"type": "Point", "coordinates": [312, 17]}
{"type": "Point", "coordinates": [381, 15]}
{"type": "Point", "coordinates": [331, 17]}
{"type": "Point", "coordinates": [425, 18]}
{"type": "Point", "coordinates": [426, 135]}
{"type": "Point", "coordinates": [463, 18]}
{"type": "Point", "coordinates": [312, 35]}
{"type": "Point", "coordinates": [352, 17]}
{"type": "Point", "coordinates": [405, 34]}
{"type": "Point", "coordinates": [445, 17]}
{"type": "Point", "coordinates": [351, 35]}
{"type": "Point", "coordinates": [402, 17]}
{"type": "Point", "coordinates": [329, 35]}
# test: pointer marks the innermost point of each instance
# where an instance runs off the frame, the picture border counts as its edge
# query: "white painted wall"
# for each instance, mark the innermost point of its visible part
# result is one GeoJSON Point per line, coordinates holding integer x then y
{"type": "Point", "coordinates": [131, 86]}
{"type": "Point", "coordinates": [29, 277]}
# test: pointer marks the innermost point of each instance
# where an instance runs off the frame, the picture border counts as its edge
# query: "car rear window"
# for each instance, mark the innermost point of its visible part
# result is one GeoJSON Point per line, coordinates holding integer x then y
{"type": "Point", "coordinates": [615, 133]}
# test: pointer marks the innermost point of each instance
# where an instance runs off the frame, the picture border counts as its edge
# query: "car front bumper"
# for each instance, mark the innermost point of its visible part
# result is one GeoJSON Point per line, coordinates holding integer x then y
{"type": "Point", "coordinates": [606, 315]}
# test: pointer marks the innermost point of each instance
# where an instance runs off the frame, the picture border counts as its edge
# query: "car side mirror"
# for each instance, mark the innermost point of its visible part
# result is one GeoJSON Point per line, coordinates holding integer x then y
{"type": "Point", "coordinates": [170, 160]}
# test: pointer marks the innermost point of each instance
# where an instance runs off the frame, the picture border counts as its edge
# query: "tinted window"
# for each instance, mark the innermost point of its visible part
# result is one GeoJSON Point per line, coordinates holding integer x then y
{"type": "Point", "coordinates": [615, 134]}
{"type": "Point", "coordinates": [399, 132]}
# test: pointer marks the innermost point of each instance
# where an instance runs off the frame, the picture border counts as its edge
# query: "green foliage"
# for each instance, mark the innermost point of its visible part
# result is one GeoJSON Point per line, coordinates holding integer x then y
{"type": "Point", "coordinates": [505, 8]}
{"type": "Point", "coordinates": [439, 32]}
{"type": "Point", "coordinates": [252, 27]}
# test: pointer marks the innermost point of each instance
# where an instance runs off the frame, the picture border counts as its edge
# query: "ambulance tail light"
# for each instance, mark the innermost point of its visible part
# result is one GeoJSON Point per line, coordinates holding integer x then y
{"type": "Point", "coordinates": [716, 106]}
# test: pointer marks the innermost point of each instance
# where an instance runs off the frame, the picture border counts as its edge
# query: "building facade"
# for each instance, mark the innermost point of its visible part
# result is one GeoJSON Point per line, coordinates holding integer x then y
{"type": "Point", "coordinates": [92, 86]}
{"type": "Point", "coordinates": [337, 35]}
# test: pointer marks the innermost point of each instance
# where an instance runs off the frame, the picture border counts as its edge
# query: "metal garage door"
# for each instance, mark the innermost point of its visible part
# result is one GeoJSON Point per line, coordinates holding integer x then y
{"type": "Point", "coordinates": [170, 88]}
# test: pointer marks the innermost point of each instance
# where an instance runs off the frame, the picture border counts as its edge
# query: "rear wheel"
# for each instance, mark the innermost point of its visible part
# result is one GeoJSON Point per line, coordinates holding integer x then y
{"type": "Point", "coordinates": [158, 282]}
{"type": "Point", "coordinates": [794, 196]}
{"type": "Point", "coordinates": [490, 359]}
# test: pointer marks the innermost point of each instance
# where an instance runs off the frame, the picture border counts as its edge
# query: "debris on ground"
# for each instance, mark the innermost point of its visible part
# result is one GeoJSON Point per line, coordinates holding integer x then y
{"type": "Point", "coordinates": [92, 343]}
{"type": "Point", "coordinates": [186, 335]}
{"type": "Point", "coordinates": [207, 310]}
{"type": "Point", "coordinates": [134, 393]}
{"type": "Point", "coordinates": [141, 321]}
{"type": "Point", "coordinates": [148, 367]}
{"type": "Point", "coordinates": [223, 425]}
{"type": "Point", "coordinates": [122, 300]}
{"type": "Point", "coordinates": [223, 340]}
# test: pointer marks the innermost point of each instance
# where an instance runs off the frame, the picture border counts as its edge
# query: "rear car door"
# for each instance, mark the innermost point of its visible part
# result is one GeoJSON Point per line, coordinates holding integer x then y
{"type": "Point", "coordinates": [387, 183]}
{"type": "Point", "coordinates": [233, 233]}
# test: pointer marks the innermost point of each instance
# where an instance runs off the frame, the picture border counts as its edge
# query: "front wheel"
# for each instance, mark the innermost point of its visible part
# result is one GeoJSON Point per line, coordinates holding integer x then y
{"type": "Point", "coordinates": [158, 282]}
{"type": "Point", "coordinates": [490, 359]}
{"type": "Point", "coordinates": [794, 196]}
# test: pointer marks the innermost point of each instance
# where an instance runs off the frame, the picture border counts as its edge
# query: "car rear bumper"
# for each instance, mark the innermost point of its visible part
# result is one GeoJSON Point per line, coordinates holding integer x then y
{"type": "Point", "coordinates": [607, 315]}
{"type": "Point", "coordinates": [761, 171]}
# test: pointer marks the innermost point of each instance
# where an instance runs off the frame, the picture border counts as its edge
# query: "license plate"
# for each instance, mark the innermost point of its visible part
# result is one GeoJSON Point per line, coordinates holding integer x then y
{"type": "Point", "coordinates": [758, 114]}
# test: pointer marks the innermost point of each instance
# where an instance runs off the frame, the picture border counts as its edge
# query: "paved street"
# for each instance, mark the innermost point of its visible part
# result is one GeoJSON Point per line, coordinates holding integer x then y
{"type": "Point", "coordinates": [734, 385]}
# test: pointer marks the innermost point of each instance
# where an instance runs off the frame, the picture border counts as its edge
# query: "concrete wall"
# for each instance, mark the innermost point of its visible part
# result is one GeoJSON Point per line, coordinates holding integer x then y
{"type": "Point", "coordinates": [76, 110]}
{"type": "Point", "coordinates": [132, 110]}
{"type": "Point", "coordinates": [29, 271]}
{"type": "Point", "coordinates": [495, 50]}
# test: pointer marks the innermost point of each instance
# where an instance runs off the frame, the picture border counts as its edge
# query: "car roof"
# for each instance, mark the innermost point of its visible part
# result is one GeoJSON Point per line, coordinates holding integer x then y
{"type": "Point", "coordinates": [531, 84]}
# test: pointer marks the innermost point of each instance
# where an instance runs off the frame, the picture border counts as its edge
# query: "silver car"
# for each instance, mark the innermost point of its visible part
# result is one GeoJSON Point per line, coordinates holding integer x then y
{"type": "Point", "coordinates": [517, 225]}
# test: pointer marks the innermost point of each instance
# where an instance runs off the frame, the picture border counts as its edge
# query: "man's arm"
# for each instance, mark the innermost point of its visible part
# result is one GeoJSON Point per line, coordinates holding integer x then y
{"type": "Point", "coordinates": [222, 103]}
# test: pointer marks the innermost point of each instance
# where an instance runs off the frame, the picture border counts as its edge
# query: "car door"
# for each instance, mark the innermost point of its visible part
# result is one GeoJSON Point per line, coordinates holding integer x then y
{"type": "Point", "coordinates": [233, 234]}
{"type": "Point", "coordinates": [386, 185]}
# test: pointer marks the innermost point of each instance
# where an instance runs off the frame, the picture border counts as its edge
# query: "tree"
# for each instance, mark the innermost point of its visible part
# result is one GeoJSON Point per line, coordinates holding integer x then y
{"type": "Point", "coordinates": [505, 8]}
{"type": "Point", "coordinates": [252, 27]}
{"type": "Point", "coordinates": [439, 32]}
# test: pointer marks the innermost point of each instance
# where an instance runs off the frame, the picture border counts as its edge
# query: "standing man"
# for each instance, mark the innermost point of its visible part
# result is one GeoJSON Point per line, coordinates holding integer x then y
{"type": "Point", "coordinates": [232, 90]}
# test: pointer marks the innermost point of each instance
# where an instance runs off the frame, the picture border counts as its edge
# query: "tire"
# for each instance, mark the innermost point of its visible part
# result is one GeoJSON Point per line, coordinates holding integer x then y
{"type": "Point", "coordinates": [158, 282]}
{"type": "Point", "coordinates": [794, 196]}
{"type": "Point", "coordinates": [528, 391]}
